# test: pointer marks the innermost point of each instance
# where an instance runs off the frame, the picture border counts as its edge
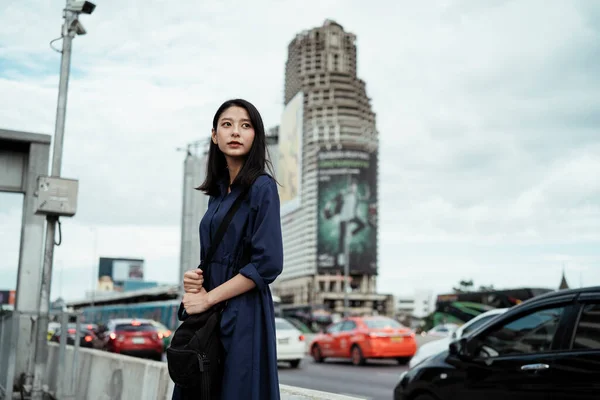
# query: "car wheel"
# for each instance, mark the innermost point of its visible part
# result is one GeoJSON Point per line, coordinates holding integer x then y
{"type": "Point", "coordinates": [357, 356]}
{"type": "Point", "coordinates": [403, 360]}
{"type": "Point", "coordinates": [316, 353]}
{"type": "Point", "coordinates": [424, 397]}
{"type": "Point", "coordinates": [295, 363]}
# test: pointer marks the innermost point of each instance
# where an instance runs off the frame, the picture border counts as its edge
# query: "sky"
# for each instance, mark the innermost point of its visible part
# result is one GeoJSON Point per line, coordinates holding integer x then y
{"type": "Point", "coordinates": [487, 113]}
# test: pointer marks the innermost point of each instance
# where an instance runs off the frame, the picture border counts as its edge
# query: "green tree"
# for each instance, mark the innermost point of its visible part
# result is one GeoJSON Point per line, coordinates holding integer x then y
{"type": "Point", "coordinates": [464, 286]}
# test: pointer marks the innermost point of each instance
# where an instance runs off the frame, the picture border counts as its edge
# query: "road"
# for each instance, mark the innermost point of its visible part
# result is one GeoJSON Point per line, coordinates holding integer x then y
{"type": "Point", "coordinates": [375, 380]}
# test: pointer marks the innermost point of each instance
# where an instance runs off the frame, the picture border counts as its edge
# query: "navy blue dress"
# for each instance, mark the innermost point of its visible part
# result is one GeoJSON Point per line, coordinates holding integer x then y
{"type": "Point", "coordinates": [248, 322]}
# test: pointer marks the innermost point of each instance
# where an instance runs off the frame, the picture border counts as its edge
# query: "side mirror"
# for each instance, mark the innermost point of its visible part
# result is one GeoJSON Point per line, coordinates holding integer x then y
{"type": "Point", "coordinates": [463, 348]}
{"type": "Point", "coordinates": [455, 348]}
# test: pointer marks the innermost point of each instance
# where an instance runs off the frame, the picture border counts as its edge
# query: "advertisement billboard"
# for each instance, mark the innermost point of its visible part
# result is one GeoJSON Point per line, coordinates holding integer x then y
{"type": "Point", "coordinates": [7, 297]}
{"type": "Point", "coordinates": [114, 272]}
{"type": "Point", "coordinates": [289, 162]}
{"type": "Point", "coordinates": [347, 205]}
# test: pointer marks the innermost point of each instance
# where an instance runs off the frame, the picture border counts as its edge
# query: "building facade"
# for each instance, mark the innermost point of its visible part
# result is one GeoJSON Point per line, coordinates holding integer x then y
{"type": "Point", "coordinates": [419, 305]}
{"type": "Point", "coordinates": [195, 204]}
{"type": "Point", "coordinates": [328, 168]}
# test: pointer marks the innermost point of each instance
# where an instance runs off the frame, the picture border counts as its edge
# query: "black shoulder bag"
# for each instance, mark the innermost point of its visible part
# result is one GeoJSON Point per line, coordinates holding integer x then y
{"type": "Point", "coordinates": [195, 356]}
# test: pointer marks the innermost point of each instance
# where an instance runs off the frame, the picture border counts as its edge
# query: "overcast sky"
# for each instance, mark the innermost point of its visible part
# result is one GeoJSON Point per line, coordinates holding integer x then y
{"type": "Point", "coordinates": [488, 114]}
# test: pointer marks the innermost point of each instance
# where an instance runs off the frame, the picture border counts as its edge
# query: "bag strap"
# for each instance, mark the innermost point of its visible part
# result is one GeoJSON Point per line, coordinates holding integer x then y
{"type": "Point", "coordinates": [181, 314]}
{"type": "Point", "coordinates": [223, 227]}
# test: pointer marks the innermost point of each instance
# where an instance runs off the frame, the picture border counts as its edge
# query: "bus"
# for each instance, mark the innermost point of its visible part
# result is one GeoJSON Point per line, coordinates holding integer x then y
{"type": "Point", "coordinates": [459, 308]}
{"type": "Point", "coordinates": [164, 311]}
{"type": "Point", "coordinates": [316, 317]}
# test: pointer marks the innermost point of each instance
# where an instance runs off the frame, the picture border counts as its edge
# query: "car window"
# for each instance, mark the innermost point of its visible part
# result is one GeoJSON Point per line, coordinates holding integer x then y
{"type": "Point", "coordinates": [477, 324]}
{"type": "Point", "coordinates": [348, 326]}
{"type": "Point", "coordinates": [334, 328]}
{"type": "Point", "coordinates": [380, 323]}
{"type": "Point", "coordinates": [532, 333]}
{"type": "Point", "coordinates": [139, 327]}
{"type": "Point", "coordinates": [587, 335]}
{"type": "Point", "coordinates": [284, 325]}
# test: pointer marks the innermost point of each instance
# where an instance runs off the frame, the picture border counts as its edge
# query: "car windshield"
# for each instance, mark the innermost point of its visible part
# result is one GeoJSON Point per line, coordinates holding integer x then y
{"type": "Point", "coordinates": [284, 325]}
{"type": "Point", "coordinates": [476, 324]}
{"type": "Point", "coordinates": [158, 325]}
{"type": "Point", "coordinates": [72, 331]}
{"type": "Point", "coordinates": [135, 327]}
{"type": "Point", "coordinates": [380, 323]}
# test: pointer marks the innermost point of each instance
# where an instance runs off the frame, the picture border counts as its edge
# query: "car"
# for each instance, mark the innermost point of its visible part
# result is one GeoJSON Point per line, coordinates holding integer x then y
{"type": "Point", "coordinates": [301, 326]}
{"type": "Point", "coordinates": [87, 337]}
{"type": "Point", "coordinates": [134, 337]}
{"type": "Point", "coordinates": [442, 330]}
{"type": "Point", "coordinates": [291, 345]}
{"type": "Point", "coordinates": [547, 347]}
{"type": "Point", "coordinates": [52, 327]}
{"type": "Point", "coordinates": [363, 338]}
{"type": "Point", "coordinates": [431, 348]}
{"type": "Point", "coordinates": [164, 332]}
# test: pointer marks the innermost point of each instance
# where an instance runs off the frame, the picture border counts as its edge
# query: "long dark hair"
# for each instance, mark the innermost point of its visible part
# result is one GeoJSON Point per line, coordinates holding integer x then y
{"type": "Point", "coordinates": [255, 163]}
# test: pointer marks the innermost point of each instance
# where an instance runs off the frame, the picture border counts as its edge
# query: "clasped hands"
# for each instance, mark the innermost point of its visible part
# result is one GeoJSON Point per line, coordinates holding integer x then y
{"type": "Point", "coordinates": [195, 299]}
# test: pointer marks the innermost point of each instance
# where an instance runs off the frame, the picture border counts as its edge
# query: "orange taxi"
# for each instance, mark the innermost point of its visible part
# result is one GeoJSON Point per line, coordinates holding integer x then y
{"type": "Point", "coordinates": [361, 338]}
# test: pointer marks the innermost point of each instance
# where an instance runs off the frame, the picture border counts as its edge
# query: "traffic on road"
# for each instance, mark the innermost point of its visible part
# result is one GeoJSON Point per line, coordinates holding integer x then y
{"type": "Point", "coordinates": [545, 347]}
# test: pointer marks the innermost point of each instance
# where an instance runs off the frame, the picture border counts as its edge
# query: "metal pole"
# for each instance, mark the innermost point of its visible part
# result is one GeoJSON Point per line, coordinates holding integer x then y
{"type": "Point", "coordinates": [94, 277]}
{"type": "Point", "coordinates": [62, 350]}
{"type": "Point", "coordinates": [75, 365]}
{"type": "Point", "coordinates": [41, 352]}
{"type": "Point", "coordinates": [346, 270]}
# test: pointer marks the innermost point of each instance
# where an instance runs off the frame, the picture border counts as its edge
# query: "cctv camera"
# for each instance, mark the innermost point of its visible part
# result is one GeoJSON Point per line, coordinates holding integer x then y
{"type": "Point", "coordinates": [78, 28]}
{"type": "Point", "coordinates": [85, 7]}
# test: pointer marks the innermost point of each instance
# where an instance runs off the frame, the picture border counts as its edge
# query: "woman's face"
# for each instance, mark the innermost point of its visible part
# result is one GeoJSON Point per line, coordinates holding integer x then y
{"type": "Point", "coordinates": [235, 133]}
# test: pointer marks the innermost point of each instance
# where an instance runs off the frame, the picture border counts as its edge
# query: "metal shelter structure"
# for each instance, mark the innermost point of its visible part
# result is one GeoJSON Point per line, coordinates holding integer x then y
{"type": "Point", "coordinates": [24, 156]}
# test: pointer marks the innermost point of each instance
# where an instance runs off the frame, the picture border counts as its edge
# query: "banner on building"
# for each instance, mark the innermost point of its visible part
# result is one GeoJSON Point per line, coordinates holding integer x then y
{"type": "Point", "coordinates": [7, 297]}
{"type": "Point", "coordinates": [347, 206]}
{"type": "Point", "coordinates": [289, 163]}
{"type": "Point", "coordinates": [114, 272]}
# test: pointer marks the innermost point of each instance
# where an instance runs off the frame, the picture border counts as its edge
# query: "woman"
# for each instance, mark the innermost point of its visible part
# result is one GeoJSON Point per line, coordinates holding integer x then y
{"type": "Point", "coordinates": [237, 160]}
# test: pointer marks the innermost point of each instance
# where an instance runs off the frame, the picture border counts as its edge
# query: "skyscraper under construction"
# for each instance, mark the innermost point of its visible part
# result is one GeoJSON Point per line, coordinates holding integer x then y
{"type": "Point", "coordinates": [328, 167]}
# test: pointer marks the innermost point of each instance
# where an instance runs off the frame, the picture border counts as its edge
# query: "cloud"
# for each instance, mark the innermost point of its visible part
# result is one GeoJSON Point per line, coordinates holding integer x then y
{"type": "Point", "coordinates": [486, 113]}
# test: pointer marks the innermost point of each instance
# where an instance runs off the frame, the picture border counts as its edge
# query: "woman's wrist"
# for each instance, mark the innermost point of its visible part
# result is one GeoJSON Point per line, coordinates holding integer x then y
{"type": "Point", "coordinates": [210, 298]}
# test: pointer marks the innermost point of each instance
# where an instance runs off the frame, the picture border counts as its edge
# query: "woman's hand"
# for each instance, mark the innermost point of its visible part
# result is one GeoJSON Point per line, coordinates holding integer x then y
{"type": "Point", "coordinates": [193, 280]}
{"type": "Point", "coordinates": [196, 303]}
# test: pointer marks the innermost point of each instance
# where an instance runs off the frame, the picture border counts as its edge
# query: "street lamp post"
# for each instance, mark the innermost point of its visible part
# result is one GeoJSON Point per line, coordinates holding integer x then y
{"type": "Point", "coordinates": [346, 270]}
{"type": "Point", "coordinates": [71, 27]}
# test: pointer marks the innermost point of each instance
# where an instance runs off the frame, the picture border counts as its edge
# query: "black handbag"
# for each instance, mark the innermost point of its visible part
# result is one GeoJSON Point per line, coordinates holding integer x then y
{"type": "Point", "coordinates": [195, 356]}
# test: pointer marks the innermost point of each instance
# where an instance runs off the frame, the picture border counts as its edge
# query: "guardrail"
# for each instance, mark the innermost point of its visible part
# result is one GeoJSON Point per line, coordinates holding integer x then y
{"type": "Point", "coordinates": [103, 375]}
{"type": "Point", "coordinates": [9, 335]}
{"type": "Point", "coordinates": [8, 344]}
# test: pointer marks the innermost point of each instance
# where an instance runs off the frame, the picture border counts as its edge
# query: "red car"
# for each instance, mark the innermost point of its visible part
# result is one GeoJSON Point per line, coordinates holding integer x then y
{"type": "Point", "coordinates": [134, 337]}
{"type": "Point", "coordinates": [361, 338]}
{"type": "Point", "coordinates": [87, 336]}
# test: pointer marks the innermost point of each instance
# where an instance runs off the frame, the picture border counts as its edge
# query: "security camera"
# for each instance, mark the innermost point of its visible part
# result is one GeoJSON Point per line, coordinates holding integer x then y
{"type": "Point", "coordinates": [78, 28]}
{"type": "Point", "coordinates": [85, 7]}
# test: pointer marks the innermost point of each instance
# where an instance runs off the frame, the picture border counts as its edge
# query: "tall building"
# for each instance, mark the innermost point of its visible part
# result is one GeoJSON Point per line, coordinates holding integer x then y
{"type": "Point", "coordinates": [328, 168]}
{"type": "Point", "coordinates": [419, 305]}
{"type": "Point", "coordinates": [195, 204]}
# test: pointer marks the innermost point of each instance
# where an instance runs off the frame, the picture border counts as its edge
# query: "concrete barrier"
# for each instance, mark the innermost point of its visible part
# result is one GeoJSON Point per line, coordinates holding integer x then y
{"type": "Point", "coordinates": [99, 375]}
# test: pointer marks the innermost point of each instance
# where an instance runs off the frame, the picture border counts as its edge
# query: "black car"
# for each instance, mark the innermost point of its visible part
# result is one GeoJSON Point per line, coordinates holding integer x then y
{"type": "Point", "coordinates": [545, 348]}
{"type": "Point", "coordinates": [87, 336]}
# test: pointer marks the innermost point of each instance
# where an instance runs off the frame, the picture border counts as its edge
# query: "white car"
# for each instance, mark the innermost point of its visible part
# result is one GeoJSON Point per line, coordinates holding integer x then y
{"type": "Point", "coordinates": [432, 348]}
{"type": "Point", "coordinates": [442, 330]}
{"type": "Point", "coordinates": [291, 345]}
